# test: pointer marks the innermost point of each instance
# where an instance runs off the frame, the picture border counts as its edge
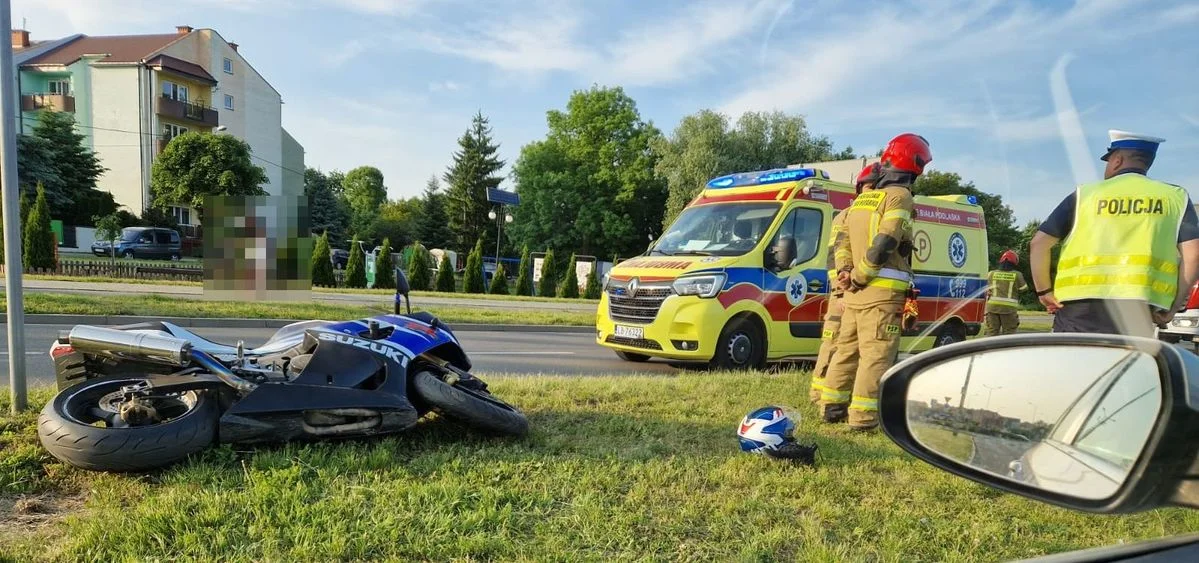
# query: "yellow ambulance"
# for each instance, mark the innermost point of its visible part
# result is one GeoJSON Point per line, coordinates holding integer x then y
{"type": "Point", "coordinates": [710, 289]}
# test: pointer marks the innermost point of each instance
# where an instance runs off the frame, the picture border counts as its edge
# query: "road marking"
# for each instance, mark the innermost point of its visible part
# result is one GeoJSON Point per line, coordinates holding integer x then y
{"type": "Point", "coordinates": [520, 353]}
{"type": "Point", "coordinates": [28, 353]}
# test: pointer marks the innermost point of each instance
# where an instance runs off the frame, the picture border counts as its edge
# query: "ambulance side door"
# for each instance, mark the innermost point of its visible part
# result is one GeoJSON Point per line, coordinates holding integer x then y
{"type": "Point", "coordinates": [798, 286]}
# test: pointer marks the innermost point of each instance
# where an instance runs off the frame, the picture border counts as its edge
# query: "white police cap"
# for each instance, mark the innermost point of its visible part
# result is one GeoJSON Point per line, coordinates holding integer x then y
{"type": "Point", "coordinates": [1132, 141]}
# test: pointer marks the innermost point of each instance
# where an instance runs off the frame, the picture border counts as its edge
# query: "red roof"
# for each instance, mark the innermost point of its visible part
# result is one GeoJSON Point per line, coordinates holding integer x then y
{"type": "Point", "coordinates": [119, 48]}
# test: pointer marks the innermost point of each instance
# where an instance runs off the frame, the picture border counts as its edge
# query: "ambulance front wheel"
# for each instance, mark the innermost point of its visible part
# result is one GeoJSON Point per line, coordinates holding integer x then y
{"type": "Point", "coordinates": [631, 357]}
{"type": "Point", "coordinates": [742, 345]}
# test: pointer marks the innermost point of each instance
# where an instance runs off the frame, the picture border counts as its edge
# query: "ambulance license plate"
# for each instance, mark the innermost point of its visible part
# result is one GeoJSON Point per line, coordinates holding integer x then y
{"type": "Point", "coordinates": [630, 332]}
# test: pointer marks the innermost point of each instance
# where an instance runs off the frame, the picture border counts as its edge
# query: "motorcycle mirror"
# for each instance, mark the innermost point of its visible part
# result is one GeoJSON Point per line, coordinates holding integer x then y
{"type": "Point", "coordinates": [1097, 423]}
{"type": "Point", "coordinates": [402, 289]}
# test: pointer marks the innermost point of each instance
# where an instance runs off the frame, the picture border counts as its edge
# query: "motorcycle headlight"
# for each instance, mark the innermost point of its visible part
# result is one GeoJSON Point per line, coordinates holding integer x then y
{"type": "Point", "coordinates": [707, 285]}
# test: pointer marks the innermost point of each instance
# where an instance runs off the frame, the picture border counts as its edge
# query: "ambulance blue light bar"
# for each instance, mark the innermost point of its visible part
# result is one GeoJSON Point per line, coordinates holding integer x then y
{"type": "Point", "coordinates": [973, 200]}
{"type": "Point", "coordinates": [764, 177]}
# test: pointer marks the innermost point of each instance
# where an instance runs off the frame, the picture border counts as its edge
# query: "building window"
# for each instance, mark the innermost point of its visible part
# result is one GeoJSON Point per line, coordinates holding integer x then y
{"type": "Point", "coordinates": [173, 91]}
{"type": "Point", "coordinates": [228, 101]}
{"type": "Point", "coordinates": [60, 86]}
{"type": "Point", "coordinates": [182, 215]}
{"type": "Point", "coordinates": [170, 131]}
{"type": "Point", "coordinates": [229, 66]}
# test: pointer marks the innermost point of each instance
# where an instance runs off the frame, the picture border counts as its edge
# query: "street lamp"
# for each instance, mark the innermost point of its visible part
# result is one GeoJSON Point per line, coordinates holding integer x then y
{"type": "Point", "coordinates": [507, 218]}
{"type": "Point", "coordinates": [990, 390]}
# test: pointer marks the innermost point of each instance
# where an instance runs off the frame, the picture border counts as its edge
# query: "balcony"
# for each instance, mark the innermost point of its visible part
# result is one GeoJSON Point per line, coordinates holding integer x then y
{"type": "Point", "coordinates": [53, 102]}
{"type": "Point", "coordinates": [187, 111]}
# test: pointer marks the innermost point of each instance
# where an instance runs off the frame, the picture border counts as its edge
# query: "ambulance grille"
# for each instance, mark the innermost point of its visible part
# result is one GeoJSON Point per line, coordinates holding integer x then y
{"type": "Point", "coordinates": [641, 308]}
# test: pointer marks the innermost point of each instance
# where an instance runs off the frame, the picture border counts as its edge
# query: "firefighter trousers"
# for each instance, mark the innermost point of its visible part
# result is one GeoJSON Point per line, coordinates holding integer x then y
{"type": "Point", "coordinates": [1001, 322]}
{"type": "Point", "coordinates": [866, 347]}
{"type": "Point", "coordinates": [828, 334]}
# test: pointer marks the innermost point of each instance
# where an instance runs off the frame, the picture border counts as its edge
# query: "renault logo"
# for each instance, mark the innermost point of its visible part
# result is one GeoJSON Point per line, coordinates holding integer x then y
{"type": "Point", "coordinates": [633, 287]}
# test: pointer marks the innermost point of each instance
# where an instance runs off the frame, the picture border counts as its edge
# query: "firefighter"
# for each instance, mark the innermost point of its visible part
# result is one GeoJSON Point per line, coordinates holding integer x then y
{"type": "Point", "coordinates": [1003, 316]}
{"type": "Point", "coordinates": [874, 269]}
{"type": "Point", "coordinates": [832, 316]}
{"type": "Point", "coordinates": [1119, 271]}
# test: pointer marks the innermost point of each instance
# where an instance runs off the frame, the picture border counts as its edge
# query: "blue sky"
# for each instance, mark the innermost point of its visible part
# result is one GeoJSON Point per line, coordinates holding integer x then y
{"type": "Point", "coordinates": [393, 83]}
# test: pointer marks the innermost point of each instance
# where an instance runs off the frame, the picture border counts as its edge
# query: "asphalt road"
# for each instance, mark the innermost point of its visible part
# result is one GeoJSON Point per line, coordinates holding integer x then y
{"type": "Point", "coordinates": [994, 454]}
{"type": "Point", "coordinates": [510, 353]}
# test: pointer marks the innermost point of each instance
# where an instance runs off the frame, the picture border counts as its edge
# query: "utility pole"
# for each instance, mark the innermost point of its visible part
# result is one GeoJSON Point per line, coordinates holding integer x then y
{"type": "Point", "coordinates": [12, 215]}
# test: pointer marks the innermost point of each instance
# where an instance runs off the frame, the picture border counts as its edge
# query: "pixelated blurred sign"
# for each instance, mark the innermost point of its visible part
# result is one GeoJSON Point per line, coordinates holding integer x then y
{"type": "Point", "coordinates": [257, 248]}
{"type": "Point", "coordinates": [495, 195]}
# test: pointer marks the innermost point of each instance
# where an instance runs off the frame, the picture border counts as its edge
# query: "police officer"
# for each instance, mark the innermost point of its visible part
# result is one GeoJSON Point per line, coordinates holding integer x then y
{"type": "Point", "coordinates": [876, 273]}
{"type": "Point", "coordinates": [1119, 271]}
{"type": "Point", "coordinates": [832, 316]}
{"type": "Point", "coordinates": [1003, 316]}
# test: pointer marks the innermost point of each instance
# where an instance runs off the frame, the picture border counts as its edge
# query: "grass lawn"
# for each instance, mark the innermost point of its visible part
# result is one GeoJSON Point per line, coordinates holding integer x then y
{"type": "Point", "coordinates": [958, 445]}
{"type": "Point", "coordinates": [616, 468]}
{"type": "Point", "coordinates": [158, 305]}
{"type": "Point", "coordinates": [344, 290]}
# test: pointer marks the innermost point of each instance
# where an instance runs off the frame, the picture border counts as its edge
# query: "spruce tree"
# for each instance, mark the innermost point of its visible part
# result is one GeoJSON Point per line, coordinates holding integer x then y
{"type": "Point", "coordinates": [445, 275]}
{"type": "Point", "coordinates": [593, 289]}
{"type": "Point", "coordinates": [39, 251]}
{"type": "Point", "coordinates": [548, 284]}
{"type": "Point", "coordinates": [356, 266]}
{"type": "Point", "coordinates": [385, 276]}
{"type": "Point", "coordinates": [322, 265]}
{"type": "Point", "coordinates": [420, 278]}
{"type": "Point", "coordinates": [524, 283]}
{"type": "Point", "coordinates": [472, 280]}
{"type": "Point", "coordinates": [570, 283]}
{"type": "Point", "coordinates": [476, 168]}
{"type": "Point", "coordinates": [499, 282]}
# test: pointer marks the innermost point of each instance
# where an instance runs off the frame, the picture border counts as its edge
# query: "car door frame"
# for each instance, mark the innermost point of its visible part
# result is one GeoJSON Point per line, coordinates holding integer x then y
{"type": "Point", "coordinates": [800, 334]}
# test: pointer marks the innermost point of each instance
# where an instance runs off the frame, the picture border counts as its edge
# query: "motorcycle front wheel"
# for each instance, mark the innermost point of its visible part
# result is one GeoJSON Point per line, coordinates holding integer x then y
{"type": "Point", "coordinates": [83, 426]}
{"type": "Point", "coordinates": [479, 409]}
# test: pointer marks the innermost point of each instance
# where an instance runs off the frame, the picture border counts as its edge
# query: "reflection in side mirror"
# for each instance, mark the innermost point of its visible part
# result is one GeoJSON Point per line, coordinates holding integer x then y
{"type": "Point", "coordinates": [1069, 420]}
{"type": "Point", "coordinates": [402, 290]}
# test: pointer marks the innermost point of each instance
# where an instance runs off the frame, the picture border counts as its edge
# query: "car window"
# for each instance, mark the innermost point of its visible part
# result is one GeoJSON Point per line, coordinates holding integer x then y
{"type": "Point", "coordinates": [1069, 425]}
{"type": "Point", "coordinates": [162, 237]}
{"type": "Point", "coordinates": [174, 237]}
{"type": "Point", "coordinates": [130, 235]}
{"type": "Point", "coordinates": [803, 225]}
{"type": "Point", "coordinates": [1116, 428]}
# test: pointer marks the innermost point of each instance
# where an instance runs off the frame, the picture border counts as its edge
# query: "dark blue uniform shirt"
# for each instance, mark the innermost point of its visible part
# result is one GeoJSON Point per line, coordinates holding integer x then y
{"type": "Point", "coordinates": [1061, 221]}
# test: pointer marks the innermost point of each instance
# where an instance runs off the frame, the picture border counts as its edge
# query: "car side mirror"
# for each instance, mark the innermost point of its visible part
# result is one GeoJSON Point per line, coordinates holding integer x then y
{"type": "Point", "coordinates": [1097, 423]}
{"type": "Point", "coordinates": [402, 290]}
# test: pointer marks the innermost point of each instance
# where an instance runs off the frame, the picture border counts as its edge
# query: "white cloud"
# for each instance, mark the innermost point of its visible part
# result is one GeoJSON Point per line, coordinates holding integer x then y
{"type": "Point", "coordinates": [681, 46]}
{"type": "Point", "coordinates": [381, 7]}
{"type": "Point", "coordinates": [343, 54]}
{"type": "Point", "coordinates": [1036, 191]}
{"type": "Point", "coordinates": [532, 41]}
{"type": "Point", "coordinates": [1043, 128]}
{"type": "Point", "coordinates": [1190, 119]}
{"type": "Point", "coordinates": [447, 86]}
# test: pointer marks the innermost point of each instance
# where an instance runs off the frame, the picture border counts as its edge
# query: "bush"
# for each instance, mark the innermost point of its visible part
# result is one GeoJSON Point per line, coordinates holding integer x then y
{"type": "Point", "coordinates": [472, 280]}
{"type": "Point", "coordinates": [549, 282]}
{"type": "Point", "coordinates": [385, 276]}
{"type": "Point", "coordinates": [570, 284]}
{"type": "Point", "coordinates": [593, 289]}
{"type": "Point", "coordinates": [499, 282]}
{"type": "Point", "coordinates": [524, 283]}
{"type": "Point", "coordinates": [420, 278]}
{"type": "Point", "coordinates": [322, 264]}
{"type": "Point", "coordinates": [40, 246]}
{"type": "Point", "coordinates": [445, 275]}
{"type": "Point", "coordinates": [356, 266]}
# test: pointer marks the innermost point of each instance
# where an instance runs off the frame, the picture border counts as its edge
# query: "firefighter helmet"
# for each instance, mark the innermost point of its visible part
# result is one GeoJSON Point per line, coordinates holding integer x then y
{"type": "Point", "coordinates": [908, 152]}
{"type": "Point", "coordinates": [1010, 257]}
{"type": "Point", "coordinates": [868, 175]}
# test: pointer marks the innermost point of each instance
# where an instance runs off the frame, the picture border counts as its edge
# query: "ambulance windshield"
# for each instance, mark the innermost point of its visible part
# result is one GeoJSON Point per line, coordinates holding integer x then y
{"type": "Point", "coordinates": [722, 229]}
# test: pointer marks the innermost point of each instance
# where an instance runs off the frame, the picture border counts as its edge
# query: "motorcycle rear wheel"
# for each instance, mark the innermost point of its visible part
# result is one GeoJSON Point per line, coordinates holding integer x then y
{"type": "Point", "coordinates": [479, 409]}
{"type": "Point", "coordinates": [74, 428]}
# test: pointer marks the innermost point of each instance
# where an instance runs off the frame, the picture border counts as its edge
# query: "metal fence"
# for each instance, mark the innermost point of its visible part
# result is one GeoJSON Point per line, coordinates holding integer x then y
{"type": "Point", "coordinates": [123, 269]}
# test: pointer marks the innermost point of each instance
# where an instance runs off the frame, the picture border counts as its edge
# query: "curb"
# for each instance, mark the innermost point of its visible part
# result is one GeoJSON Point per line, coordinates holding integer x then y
{"type": "Point", "coordinates": [268, 323]}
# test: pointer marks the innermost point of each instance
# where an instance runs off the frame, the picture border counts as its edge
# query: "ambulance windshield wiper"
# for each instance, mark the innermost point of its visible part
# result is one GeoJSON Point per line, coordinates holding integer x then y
{"type": "Point", "coordinates": [692, 253]}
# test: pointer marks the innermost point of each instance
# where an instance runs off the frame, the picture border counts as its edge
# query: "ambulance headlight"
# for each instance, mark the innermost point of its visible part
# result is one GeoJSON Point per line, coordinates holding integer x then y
{"type": "Point", "coordinates": [604, 283]}
{"type": "Point", "coordinates": [707, 285]}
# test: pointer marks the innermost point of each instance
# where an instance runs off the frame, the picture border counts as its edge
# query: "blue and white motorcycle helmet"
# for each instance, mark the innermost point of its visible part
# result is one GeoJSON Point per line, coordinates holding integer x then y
{"type": "Point", "coordinates": [770, 430]}
{"type": "Point", "coordinates": [766, 428]}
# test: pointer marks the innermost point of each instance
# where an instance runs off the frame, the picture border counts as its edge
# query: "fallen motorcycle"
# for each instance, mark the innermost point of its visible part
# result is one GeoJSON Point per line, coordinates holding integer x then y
{"type": "Point", "coordinates": [143, 396]}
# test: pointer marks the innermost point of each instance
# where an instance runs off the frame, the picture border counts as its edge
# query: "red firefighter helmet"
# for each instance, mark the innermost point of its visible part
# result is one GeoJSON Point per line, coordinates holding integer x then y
{"type": "Point", "coordinates": [1010, 257]}
{"type": "Point", "coordinates": [868, 175]}
{"type": "Point", "coordinates": [908, 152]}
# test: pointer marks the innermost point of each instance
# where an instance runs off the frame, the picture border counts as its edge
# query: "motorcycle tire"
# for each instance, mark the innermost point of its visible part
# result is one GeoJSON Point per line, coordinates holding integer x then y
{"type": "Point", "coordinates": [477, 408]}
{"type": "Point", "coordinates": [129, 449]}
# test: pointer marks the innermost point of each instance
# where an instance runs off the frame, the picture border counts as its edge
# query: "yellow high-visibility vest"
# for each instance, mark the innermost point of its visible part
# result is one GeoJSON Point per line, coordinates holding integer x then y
{"type": "Point", "coordinates": [1003, 289]}
{"type": "Point", "coordinates": [1124, 244]}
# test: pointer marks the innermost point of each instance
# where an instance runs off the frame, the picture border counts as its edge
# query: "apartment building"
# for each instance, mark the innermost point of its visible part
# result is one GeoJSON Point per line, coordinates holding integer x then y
{"type": "Point", "coordinates": [132, 94]}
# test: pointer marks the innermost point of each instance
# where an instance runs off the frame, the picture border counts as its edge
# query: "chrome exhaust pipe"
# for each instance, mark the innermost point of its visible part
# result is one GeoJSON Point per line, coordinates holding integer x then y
{"type": "Point", "coordinates": [152, 348]}
{"type": "Point", "coordinates": [149, 347]}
